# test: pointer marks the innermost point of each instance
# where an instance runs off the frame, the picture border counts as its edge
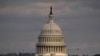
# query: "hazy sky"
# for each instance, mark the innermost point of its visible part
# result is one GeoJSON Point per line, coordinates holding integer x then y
{"type": "Point", "coordinates": [21, 22]}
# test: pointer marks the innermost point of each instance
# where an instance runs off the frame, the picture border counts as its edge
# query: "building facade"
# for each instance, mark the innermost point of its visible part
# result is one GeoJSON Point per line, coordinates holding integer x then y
{"type": "Point", "coordinates": [51, 39]}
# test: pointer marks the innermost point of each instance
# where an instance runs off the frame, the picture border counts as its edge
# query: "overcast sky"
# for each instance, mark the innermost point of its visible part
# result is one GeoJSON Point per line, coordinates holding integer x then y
{"type": "Point", "coordinates": [22, 20]}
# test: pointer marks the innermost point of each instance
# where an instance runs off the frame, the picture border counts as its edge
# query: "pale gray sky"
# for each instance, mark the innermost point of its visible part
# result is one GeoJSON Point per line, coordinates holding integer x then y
{"type": "Point", "coordinates": [21, 22]}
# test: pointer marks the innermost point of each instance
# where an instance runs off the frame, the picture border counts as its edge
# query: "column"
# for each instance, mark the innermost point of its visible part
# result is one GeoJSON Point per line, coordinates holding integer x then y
{"type": "Point", "coordinates": [63, 49]}
{"type": "Point", "coordinates": [43, 49]}
{"type": "Point", "coordinates": [49, 48]}
{"type": "Point", "coordinates": [60, 48]}
{"type": "Point", "coordinates": [54, 49]}
{"type": "Point", "coordinates": [40, 49]}
{"type": "Point", "coordinates": [57, 49]}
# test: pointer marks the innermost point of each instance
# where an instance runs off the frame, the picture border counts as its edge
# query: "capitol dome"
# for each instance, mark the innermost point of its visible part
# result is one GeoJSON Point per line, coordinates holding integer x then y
{"type": "Point", "coordinates": [51, 39]}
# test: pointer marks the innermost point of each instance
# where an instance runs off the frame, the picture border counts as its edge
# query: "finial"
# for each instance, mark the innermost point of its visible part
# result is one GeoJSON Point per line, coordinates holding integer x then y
{"type": "Point", "coordinates": [51, 10]}
{"type": "Point", "coordinates": [50, 15]}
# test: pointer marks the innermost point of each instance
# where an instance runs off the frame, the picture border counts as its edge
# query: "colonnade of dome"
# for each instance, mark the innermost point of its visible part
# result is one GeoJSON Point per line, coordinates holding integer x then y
{"type": "Point", "coordinates": [48, 49]}
{"type": "Point", "coordinates": [52, 38]}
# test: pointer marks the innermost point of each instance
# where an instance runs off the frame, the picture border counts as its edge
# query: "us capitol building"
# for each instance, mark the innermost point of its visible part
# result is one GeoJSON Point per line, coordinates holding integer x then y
{"type": "Point", "coordinates": [51, 39]}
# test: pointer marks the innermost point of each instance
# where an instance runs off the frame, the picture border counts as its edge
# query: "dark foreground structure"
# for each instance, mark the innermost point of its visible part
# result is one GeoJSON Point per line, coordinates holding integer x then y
{"type": "Point", "coordinates": [33, 54]}
{"type": "Point", "coordinates": [20, 54]}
